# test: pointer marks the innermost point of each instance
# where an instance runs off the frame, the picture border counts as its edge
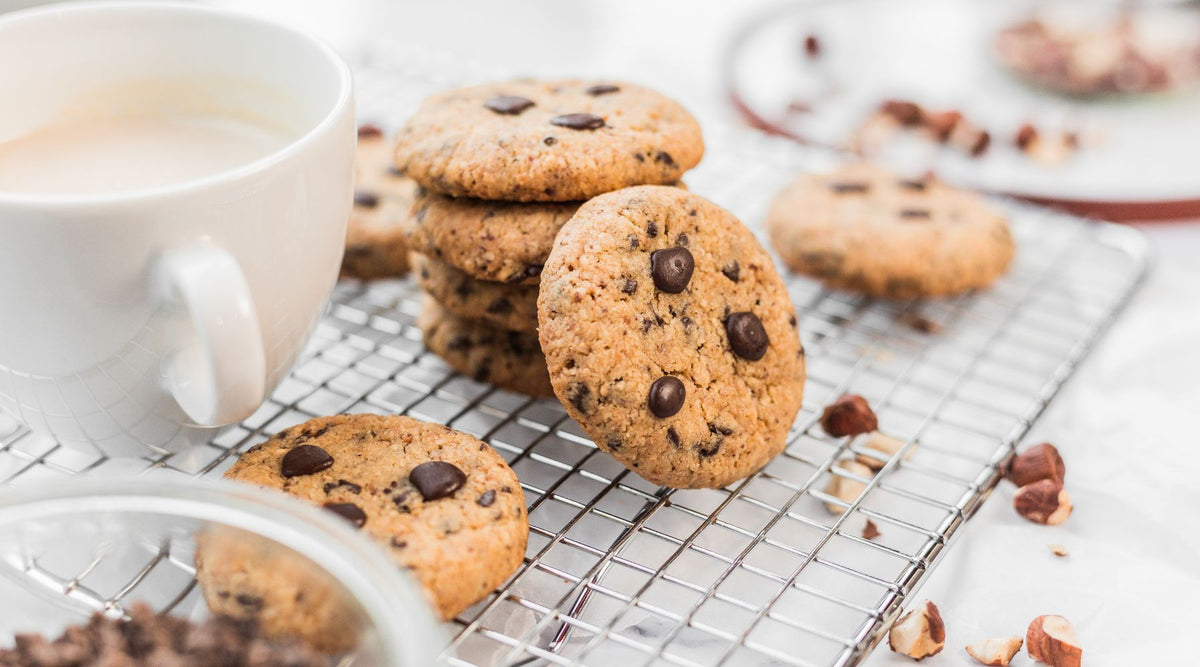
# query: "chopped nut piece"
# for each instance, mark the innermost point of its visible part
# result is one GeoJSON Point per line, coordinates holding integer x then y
{"type": "Point", "coordinates": [995, 651]}
{"type": "Point", "coordinates": [941, 124]}
{"type": "Point", "coordinates": [1044, 501]}
{"type": "Point", "coordinates": [1051, 641]}
{"type": "Point", "coordinates": [1059, 550]}
{"type": "Point", "coordinates": [882, 449]}
{"type": "Point", "coordinates": [920, 633]}
{"type": "Point", "coordinates": [1037, 463]}
{"type": "Point", "coordinates": [849, 415]}
{"type": "Point", "coordinates": [870, 531]}
{"type": "Point", "coordinates": [907, 113]}
{"type": "Point", "coordinates": [1025, 136]}
{"type": "Point", "coordinates": [845, 488]}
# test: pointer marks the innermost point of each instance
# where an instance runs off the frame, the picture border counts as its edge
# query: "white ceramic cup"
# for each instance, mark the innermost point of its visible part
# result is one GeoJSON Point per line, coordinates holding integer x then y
{"type": "Point", "coordinates": [145, 319]}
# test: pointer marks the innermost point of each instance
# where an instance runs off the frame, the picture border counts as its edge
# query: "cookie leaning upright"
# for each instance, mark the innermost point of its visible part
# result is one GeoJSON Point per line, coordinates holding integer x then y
{"type": "Point", "coordinates": [670, 337]}
{"type": "Point", "coordinates": [445, 505]}
{"type": "Point", "coordinates": [565, 140]}
{"type": "Point", "coordinates": [865, 229]}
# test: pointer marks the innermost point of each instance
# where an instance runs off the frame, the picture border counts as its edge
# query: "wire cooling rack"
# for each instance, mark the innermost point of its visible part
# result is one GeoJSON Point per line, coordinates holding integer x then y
{"type": "Point", "coordinates": [757, 573]}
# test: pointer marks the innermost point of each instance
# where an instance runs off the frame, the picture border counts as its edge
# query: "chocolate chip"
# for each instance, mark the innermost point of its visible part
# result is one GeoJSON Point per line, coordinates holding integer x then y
{"type": "Point", "coordinates": [348, 511]}
{"type": "Point", "coordinates": [663, 157]}
{"type": "Point", "coordinates": [366, 199]}
{"type": "Point", "coordinates": [399, 543]}
{"type": "Point", "coordinates": [350, 486]}
{"type": "Point", "coordinates": [613, 442]}
{"type": "Point", "coordinates": [508, 105]}
{"type": "Point", "coordinates": [602, 89]}
{"type": "Point", "coordinates": [1025, 136]}
{"type": "Point", "coordinates": [918, 186]}
{"type": "Point", "coordinates": [580, 394]}
{"type": "Point", "coordinates": [671, 269]}
{"type": "Point", "coordinates": [578, 121]}
{"type": "Point", "coordinates": [549, 141]}
{"type": "Point", "coordinates": [486, 499]}
{"type": "Point", "coordinates": [652, 229]}
{"type": "Point", "coordinates": [639, 157]}
{"type": "Point", "coordinates": [711, 450]}
{"type": "Point", "coordinates": [717, 429]}
{"type": "Point", "coordinates": [682, 240]}
{"type": "Point", "coordinates": [369, 130]}
{"type": "Point", "coordinates": [400, 500]}
{"type": "Point", "coordinates": [732, 271]}
{"type": "Point", "coordinates": [630, 286]}
{"type": "Point", "coordinates": [305, 460]}
{"type": "Point", "coordinates": [437, 479]}
{"type": "Point", "coordinates": [747, 336]}
{"type": "Point", "coordinates": [673, 436]}
{"type": "Point", "coordinates": [459, 342]}
{"type": "Point", "coordinates": [252, 602]}
{"type": "Point", "coordinates": [633, 241]}
{"type": "Point", "coordinates": [914, 213]}
{"type": "Point", "coordinates": [500, 306]}
{"type": "Point", "coordinates": [530, 271]}
{"type": "Point", "coordinates": [846, 188]}
{"type": "Point", "coordinates": [666, 396]}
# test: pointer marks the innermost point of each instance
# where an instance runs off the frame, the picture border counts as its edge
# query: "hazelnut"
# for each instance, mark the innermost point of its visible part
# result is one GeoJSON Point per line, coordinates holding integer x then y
{"type": "Point", "coordinates": [849, 415]}
{"type": "Point", "coordinates": [920, 633]}
{"type": "Point", "coordinates": [1051, 641]}
{"type": "Point", "coordinates": [846, 488]}
{"type": "Point", "coordinates": [881, 448]}
{"type": "Point", "coordinates": [1037, 463]}
{"type": "Point", "coordinates": [995, 651]}
{"type": "Point", "coordinates": [1044, 501]}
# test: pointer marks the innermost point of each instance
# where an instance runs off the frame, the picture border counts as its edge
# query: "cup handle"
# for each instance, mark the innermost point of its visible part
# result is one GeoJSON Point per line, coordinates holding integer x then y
{"type": "Point", "coordinates": [219, 378]}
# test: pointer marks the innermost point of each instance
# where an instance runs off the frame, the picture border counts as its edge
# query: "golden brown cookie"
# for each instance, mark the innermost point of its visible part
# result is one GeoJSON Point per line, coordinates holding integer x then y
{"type": "Point", "coordinates": [509, 307]}
{"type": "Point", "coordinates": [670, 337]}
{"type": "Point", "coordinates": [445, 505]}
{"type": "Point", "coordinates": [562, 140]}
{"type": "Point", "coordinates": [508, 359]}
{"type": "Point", "coordinates": [864, 229]}
{"type": "Point", "coordinates": [376, 234]}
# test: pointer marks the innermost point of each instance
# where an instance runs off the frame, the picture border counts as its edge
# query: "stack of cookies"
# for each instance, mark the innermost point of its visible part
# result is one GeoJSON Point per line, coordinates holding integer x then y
{"type": "Point", "coordinates": [375, 234]}
{"type": "Point", "coordinates": [501, 168]}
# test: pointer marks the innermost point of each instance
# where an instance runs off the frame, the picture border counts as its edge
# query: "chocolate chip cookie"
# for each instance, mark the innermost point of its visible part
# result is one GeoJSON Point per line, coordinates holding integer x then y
{"type": "Point", "coordinates": [508, 359]}
{"type": "Point", "coordinates": [445, 505]}
{"type": "Point", "coordinates": [509, 307]}
{"type": "Point", "coordinates": [670, 337]}
{"type": "Point", "coordinates": [376, 243]}
{"type": "Point", "coordinates": [489, 240]}
{"type": "Point", "coordinates": [564, 140]}
{"type": "Point", "coordinates": [862, 228]}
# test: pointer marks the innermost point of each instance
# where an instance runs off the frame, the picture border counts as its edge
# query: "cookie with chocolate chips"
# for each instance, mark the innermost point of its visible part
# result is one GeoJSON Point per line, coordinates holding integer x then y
{"type": "Point", "coordinates": [508, 307]}
{"type": "Point", "coordinates": [445, 505]}
{"type": "Point", "coordinates": [376, 239]}
{"type": "Point", "coordinates": [550, 141]}
{"type": "Point", "coordinates": [508, 359]}
{"type": "Point", "coordinates": [670, 337]}
{"type": "Point", "coordinates": [864, 229]}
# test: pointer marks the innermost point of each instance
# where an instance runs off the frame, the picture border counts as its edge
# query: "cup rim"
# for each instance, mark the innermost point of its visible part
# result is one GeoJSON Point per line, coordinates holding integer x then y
{"type": "Point", "coordinates": [357, 563]}
{"type": "Point", "coordinates": [345, 97]}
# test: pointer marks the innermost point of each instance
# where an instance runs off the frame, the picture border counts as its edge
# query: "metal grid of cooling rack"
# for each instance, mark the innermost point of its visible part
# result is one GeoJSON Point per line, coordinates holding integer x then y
{"type": "Point", "coordinates": [756, 573]}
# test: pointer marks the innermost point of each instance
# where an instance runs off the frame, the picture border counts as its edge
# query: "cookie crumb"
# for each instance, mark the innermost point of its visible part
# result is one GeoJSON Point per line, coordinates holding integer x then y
{"type": "Point", "coordinates": [1059, 550]}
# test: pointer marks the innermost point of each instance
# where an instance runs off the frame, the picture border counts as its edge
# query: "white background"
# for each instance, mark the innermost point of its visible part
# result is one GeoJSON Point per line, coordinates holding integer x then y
{"type": "Point", "coordinates": [1126, 425]}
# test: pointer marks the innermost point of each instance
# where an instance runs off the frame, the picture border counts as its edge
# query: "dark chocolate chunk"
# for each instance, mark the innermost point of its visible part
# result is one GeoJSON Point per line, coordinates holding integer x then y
{"type": "Point", "coordinates": [914, 213]}
{"type": "Point", "coordinates": [580, 394]}
{"type": "Point", "coordinates": [305, 460]}
{"type": "Point", "coordinates": [917, 185]}
{"type": "Point", "coordinates": [673, 437]}
{"type": "Point", "coordinates": [508, 105]}
{"type": "Point", "coordinates": [630, 286]}
{"type": "Point", "coordinates": [369, 130]}
{"type": "Point", "coordinates": [846, 188]}
{"type": "Point", "coordinates": [366, 199]}
{"type": "Point", "coordinates": [578, 121]}
{"type": "Point", "coordinates": [486, 498]}
{"type": "Point", "coordinates": [652, 229]}
{"type": "Point", "coordinates": [663, 157]}
{"type": "Point", "coordinates": [348, 511]}
{"type": "Point", "coordinates": [732, 270]}
{"type": "Point", "coordinates": [249, 601]}
{"type": "Point", "coordinates": [500, 306]}
{"type": "Point", "coordinates": [666, 396]}
{"type": "Point", "coordinates": [602, 89]}
{"type": "Point", "coordinates": [349, 486]}
{"type": "Point", "coordinates": [705, 451]}
{"type": "Point", "coordinates": [549, 141]}
{"type": "Point", "coordinates": [672, 269]}
{"type": "Point", "coordinates": [682, 240]}
{"type": "Point", "coordinates": [437, 479]}
{"type": "Point", "coordinates": [747, 336]}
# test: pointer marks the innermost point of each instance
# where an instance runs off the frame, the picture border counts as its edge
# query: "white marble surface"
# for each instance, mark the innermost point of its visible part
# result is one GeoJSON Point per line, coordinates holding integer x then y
{"type": "Point", "coordinates": [1125, 423]}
